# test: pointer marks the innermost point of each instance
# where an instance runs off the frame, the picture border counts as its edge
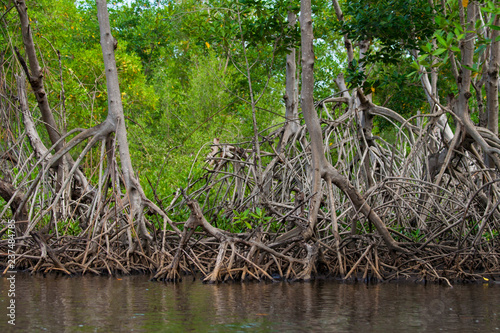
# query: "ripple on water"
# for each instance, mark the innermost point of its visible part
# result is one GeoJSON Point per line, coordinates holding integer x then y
{"type": "Point", "coordinates": [107, 304]}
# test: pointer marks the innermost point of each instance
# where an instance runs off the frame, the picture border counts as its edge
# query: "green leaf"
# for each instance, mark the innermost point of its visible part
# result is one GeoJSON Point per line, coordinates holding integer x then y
{"type": "Point", "coordinates": [422, 57]}
{"type": "Point", "coordinates": [427, 48]}
{"type": "Point", "coordinates": [458, 28]}
{"type": "Point", "coordinates": [439, 20]}
{"type": "Point", "coordinates": [445, 60]}
{"type": "Point", "coordinates": [449, 38]}
{"type": "Point", "coordinates": [438, 52]}
{"type": "Point", "coordinates": [470, 68]}
{"type": "Point", "coordinates": [411, 74]}
{"type": "Point", "coordinates": [441, 40]}
{"type": "Point", "coordinates": [480, 49]}
{"type": "Point", "coordinates": [495, 27]}
{"type": "Point", "coordinates": [425, 63]}
{"type": "Point", "coordinates": [478, 24]}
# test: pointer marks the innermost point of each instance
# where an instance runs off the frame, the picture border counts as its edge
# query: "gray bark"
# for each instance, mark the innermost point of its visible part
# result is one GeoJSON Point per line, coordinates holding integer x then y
{"type": "Point", "coordinates": [10, 194]}
{"type": "Point", "coordinates": [310, 116]}
{"type": "Point", "coordinates": [321, 168]}
{"type": "Point", "coordinates": [464, 81]}
{"type": "Point", "coordinates": [492, 84]}
{"type": "Point", "coordinates": [116, 117]}
{"type": "Point", "coordinates": [36, 76]}
{"type": "Point", "coordinates": [36, 81]}
{"type": "Point", "coordinates": [39, 148]}
{"type": "Point", "coordinates": [291, 93]}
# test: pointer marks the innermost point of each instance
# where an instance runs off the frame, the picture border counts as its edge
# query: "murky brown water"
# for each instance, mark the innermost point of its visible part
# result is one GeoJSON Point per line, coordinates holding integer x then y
{"type": "Point", "coordinates": [133, 304]}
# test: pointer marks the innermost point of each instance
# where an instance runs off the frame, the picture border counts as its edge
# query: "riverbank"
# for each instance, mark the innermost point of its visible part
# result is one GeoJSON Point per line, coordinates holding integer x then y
{"type": "Point", "coordinates": [361, 259]}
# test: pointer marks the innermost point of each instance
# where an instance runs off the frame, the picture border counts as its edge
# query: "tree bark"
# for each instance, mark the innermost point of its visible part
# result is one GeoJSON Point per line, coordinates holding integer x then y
{"type": "Point", "coordinates": [116, 117]}
{"type": "Point", "coordinates": [492, 85]}
{"type": "Point", "coordinates": [36, 81]}
{"type": "Point", "coordinates": [321, 168]}
{"type": "Point", "coordinates": [15, 197]}
{"type": "Point", "coordinates": [291, 93]}
{"type": "Point", "coordinates": [39, 148]}
{"type": "Point", "coordinates": [464, 80]}
{"type": "Point", "coordinates": [36, 77]}
{"type": "Point", "coordinates": [310, 116]}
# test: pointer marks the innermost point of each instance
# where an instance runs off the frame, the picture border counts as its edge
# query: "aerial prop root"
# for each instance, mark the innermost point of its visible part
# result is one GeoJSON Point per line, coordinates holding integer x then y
{"type": "Point", "coordinates": [225, 264]}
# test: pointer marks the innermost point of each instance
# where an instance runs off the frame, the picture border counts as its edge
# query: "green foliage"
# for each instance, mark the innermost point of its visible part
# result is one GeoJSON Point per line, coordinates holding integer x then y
{"type": "Point", "coordinates": [265, 22]}
{"type": "Point", "coordinates": [249, 219]}
{"type": "Point", "coordinates": [392, 87]}
{"type": "Point", "coordinates": [415, 234]}
{"type": "Point", "coordinates": [394, 26]}
{"type": "Point", "coordinates": [8, 213]}
{"type": "Point", "coordinates": [491, 235]}
{"type": "Point", "coordinates": [147, 29]}
{"type": "Point", "coordinates": [181, 215]}
{"type": "Point", "coordinates": [69, 227]}
{"type": "Point", "coordinates": [241, 220]}
{"type": "Point", "coordinates": [188, 118]}
{"type": "Point", "coordinates": [330, 61]}
{"type": "Point", "coordinates": [260, 216]}
{"type": "Point", "coordinates": [355, 75]}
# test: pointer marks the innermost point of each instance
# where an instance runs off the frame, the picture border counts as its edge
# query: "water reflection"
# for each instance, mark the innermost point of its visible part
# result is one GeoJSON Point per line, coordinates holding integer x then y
{"type": "Point", "coordinates": [98, 304]}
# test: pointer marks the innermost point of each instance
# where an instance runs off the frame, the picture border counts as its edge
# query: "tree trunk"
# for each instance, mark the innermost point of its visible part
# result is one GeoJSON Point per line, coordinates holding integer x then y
{"type": "Point", "coordinates": [321, 168]}
{"type": "Point", "coordinates": [310, 116]}
{"type": "Point", "coordinates": [115, 116]}
{"type": "Point", "coordinates": [492, 85]}
{"type": "Point", "coordinates": [291, 93]}
{"type": "Point", "coordinates": [464, 81]}
{"type": "Point", "coordinates": [36, 81]}
{"type": "Point", "coordinates": [36, 76]}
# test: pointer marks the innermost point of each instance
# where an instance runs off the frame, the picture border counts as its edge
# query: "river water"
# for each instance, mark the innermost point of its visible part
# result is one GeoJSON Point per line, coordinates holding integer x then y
{"type": "Point", "coordinates": [134, 304]}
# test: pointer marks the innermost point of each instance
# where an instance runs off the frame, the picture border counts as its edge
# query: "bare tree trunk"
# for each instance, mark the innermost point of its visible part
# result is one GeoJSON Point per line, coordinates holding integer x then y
{"type": "Point", "coordinates": [492, 84]}
{"type": "Point", "coordinates": [291, 93]}
{"type": "Point", "coordinates": [365, 119]}
{"type": "Point", "coordinates": [310, 116]}
{"type": "Point", "coordinates": [464, 82]}
{"type": "Point", "coordinates": [36, 81]}
{"type": "Point", "coordinates": [29, 125]}
{"type": "Point", "coordinates": [321, 168]}
{"type": "Point", "coordinates": [36, 77]}
{"type": "Point", "coordinates": [115, 116]}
